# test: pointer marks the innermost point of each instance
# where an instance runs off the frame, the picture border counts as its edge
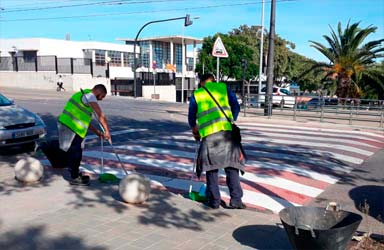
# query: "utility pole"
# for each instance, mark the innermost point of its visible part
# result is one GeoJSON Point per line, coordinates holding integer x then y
{"type": "Point", "coordinates": [244, 65]}
{"type": "Point", "coordinates": [270, 62]}
{"type": "Point", "coordinates": [261, 53]}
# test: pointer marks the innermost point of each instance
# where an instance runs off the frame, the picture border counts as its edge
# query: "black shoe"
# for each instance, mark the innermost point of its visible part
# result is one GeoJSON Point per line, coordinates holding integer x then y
{"type": "Point", "coordinates": [210, 205]}
{"type": "Point", "coordinates": [237, 206]}
{"type": "Point", "coordinates": [85, 177]}
{"type": "Point", "coordinates": [79, 182]}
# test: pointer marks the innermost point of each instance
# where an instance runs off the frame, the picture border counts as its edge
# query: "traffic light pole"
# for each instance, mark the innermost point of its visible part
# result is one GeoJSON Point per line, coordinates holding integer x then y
{"type": "Point", "coordinates": [187, 22]}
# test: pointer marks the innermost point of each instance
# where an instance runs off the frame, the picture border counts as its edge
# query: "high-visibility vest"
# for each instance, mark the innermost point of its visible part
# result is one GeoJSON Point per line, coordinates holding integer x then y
{"type": "Point", "coordinates": [76, 115]}
{"type": "Point", "coordinates": [210, 118]}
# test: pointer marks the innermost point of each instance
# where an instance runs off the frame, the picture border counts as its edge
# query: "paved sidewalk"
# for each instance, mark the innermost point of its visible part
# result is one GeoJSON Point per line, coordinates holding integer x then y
{"type": "Point", "coordinates": [55, 215]}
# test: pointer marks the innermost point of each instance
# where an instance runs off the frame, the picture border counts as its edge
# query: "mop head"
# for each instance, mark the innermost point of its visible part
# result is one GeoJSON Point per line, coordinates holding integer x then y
{"type": "Point", "coordinates": [108, 178]}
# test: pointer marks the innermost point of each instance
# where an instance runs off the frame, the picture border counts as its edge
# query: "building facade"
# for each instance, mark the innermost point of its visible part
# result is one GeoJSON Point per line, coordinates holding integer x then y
{"type": "Point", "coordinates": [38, 63]}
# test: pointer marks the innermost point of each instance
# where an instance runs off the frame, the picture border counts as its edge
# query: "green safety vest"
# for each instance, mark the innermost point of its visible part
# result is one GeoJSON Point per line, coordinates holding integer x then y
{"type": "Point", "coordinates": [210, 119]}
{"type": "Point", "coordinates": [76, 115]}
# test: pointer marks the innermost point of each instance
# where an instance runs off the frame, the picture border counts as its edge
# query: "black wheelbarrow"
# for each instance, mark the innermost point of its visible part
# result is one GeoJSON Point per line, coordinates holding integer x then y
{"type": "Point", "coordinates": [319, 228]}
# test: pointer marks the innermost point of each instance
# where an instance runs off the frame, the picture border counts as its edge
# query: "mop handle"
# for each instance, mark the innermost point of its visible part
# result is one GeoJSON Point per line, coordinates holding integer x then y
{"type": "Point", "coordinates": [102, 155]}
{"type": "Point", "coordinates": [102, 129]}
{"type": "Point", "coordinates": [194, 166]}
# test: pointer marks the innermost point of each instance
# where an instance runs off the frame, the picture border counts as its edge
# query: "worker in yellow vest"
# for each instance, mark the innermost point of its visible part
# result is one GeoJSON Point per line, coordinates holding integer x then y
{"type": "Point", "coordinates": [217, 149]}
{"type": "Point", "coordinates": [73, 124]}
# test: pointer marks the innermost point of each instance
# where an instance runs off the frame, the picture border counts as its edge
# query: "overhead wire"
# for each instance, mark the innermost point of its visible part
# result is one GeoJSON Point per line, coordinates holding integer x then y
{"type": "Point", "coordinates": [140, 12]}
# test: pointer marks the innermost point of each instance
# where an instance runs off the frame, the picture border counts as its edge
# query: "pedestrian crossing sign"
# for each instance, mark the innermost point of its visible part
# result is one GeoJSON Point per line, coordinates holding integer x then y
{"type": "Point", "coordinates": [219, 49]}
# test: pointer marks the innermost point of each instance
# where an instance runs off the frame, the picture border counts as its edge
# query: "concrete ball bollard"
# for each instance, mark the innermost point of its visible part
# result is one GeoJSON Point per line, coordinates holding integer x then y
{"type": "Point", "coordinates": [29, 170]}
{"type": "Point", "coordinates": [134, 188]}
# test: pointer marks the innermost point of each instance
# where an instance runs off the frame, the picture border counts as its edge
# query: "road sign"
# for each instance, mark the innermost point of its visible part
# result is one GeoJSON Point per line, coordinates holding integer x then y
{"type": "Point", "coordinates": [219, 49]}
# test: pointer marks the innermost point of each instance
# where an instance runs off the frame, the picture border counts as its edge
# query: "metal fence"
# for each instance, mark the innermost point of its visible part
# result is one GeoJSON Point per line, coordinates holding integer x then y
{"type": "Point", "coordinates": [352, 111]}
{"type": "Point", "coordinates": [53, 63]}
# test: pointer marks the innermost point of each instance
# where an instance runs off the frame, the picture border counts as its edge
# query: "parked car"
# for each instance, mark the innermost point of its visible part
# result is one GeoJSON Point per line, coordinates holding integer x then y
{"type": "Point", "coordinates": [18, 126]}
{"type": "Point", "coordinates": [317, 102]}
{"type": "Point", "coordinates": [281, 97]}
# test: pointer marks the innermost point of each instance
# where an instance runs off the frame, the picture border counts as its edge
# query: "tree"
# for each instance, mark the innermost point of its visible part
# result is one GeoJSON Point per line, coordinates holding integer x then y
{"type": "Point", "coordinates": [229, 67]}
{"type": "Point", "coordinates": [350, 59]}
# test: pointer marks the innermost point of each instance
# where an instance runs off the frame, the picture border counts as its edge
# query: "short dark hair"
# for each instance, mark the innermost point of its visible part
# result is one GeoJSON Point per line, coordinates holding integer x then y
{"type": "Point", "coordinates": [100, 87]}
{"type": "Point", "coordinates": [206, 77]}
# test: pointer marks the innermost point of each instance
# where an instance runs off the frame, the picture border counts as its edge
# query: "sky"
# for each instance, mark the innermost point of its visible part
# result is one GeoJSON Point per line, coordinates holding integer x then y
{"type": "Point", "coordinates": [297, 21]}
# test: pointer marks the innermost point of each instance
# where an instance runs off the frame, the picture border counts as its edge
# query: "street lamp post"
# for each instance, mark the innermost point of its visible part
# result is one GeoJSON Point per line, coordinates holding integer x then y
{"type": "Point", "coordinates": [187, 22]}
{"type": "Point", "coordinates": [261, 54]}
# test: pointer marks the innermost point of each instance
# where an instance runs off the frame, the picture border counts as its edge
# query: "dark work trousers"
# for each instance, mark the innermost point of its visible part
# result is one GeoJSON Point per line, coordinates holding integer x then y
{"type": "Point", "coordinates": [233, 183]}
{"type": "Point", "coordinates": [74, 155]}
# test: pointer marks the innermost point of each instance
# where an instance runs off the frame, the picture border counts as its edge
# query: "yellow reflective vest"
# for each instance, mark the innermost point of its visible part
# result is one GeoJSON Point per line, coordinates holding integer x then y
{"type": "Point", "coordinates": [76, 115]}
{"type": "Point", "coordinates": [210, 119]}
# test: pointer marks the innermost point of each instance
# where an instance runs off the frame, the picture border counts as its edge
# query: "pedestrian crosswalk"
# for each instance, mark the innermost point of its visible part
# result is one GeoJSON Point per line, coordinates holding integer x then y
{"type": "Point", "coordinates": [287, 165]}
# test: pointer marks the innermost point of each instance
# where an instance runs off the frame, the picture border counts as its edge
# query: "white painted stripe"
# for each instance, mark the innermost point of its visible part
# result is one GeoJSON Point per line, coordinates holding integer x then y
{"type": "Point", "coordinates": [311, 161]}
{"type": "Point", "coordinates": [120, 132]}
{"type": "Point", "coordinates": [333, 136]}
{"type": "Point", "coordinates": [258, 164]}
{"type": "Point", "coordinates": [162, 151]}
{"type": "Point", "coordinates": [337, 156]}
{"type": "Point", "coordinates": [293, 169]}
{"type": "Point", "coordinates": [295, 142]}
{"type": "Point", "coordinates": [379, 134]}
{"type": "Point", "coordinates": [283, 183]}
{"type": "Point", "coordinates": [311, 144]}
{"type": "Point", "coordinates": [288, 134]}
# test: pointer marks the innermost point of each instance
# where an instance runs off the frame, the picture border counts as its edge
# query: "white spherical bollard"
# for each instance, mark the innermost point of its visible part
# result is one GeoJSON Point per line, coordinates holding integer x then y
{"type": "Point", "coordinates": [134, 188]}
{"type": "Point", "coordinates": [29, 170]}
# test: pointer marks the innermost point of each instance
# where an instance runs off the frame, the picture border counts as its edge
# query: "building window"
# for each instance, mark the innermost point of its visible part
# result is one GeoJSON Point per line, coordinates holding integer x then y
{"type": "Point", "coordinates": [29, 56]}
{"type": "Point", "coordinates": [100, 57]}
{"type": "Point", "coordinates": [115, 58]}
{"type": "Point", "coordinates": [144, 54]}
{"type": "Point", "coordinates": [161, 53]}
{"type": "Point", "coordinates": [189, 64]}
{"type": "Point", "coordinates": [128, 59]}
{"type": "Point", "coordinates": [178, 57]}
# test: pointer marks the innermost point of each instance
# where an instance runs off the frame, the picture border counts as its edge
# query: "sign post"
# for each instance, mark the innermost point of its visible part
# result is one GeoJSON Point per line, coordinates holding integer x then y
{"type": "Point", "coordinates": [218, 51]}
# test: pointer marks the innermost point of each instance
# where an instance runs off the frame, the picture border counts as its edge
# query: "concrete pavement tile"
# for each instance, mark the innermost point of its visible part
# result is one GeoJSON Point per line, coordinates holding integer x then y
{"type": "Point", "coordinates": [192, 244]}
{"type": "Point", "coordinates": [163, 245]}
{"type": "Point", "coordinates": [131, 236]}
{"type": "Point", "coordinates": [128, 246]}
{"type": "Point", "coordinates": [142, 243]}
{"type": "Point", "coordinates": [213, 247]}
{"type": "Point", "coordinates": [116, 243]}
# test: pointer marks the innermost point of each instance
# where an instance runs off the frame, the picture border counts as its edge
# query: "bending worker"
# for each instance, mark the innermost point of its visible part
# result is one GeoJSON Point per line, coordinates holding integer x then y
{"type": "Point", "coordinates": [217, 150]}
{"type": "Point", "coordinates": [73, 124]}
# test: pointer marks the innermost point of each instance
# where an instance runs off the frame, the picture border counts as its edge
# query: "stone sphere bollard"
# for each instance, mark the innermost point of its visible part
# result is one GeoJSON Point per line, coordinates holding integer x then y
{"type": "Point", "coordinates": [29, 170]}
{"type": "Point", "coordinates": [134, 188]}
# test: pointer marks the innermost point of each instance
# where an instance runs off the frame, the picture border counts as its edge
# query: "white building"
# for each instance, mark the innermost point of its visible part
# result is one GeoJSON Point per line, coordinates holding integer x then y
{"type": "Point", "coordinates": [38, 62]}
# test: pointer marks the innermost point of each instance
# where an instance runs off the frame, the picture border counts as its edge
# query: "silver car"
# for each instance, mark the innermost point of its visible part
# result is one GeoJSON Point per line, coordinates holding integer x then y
{"type": "Point", "coordinates": [18, 126]}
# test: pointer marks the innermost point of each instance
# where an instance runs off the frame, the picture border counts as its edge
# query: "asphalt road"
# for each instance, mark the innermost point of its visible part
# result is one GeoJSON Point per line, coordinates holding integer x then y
{"type": "Point", "coordinates": [149, 119]}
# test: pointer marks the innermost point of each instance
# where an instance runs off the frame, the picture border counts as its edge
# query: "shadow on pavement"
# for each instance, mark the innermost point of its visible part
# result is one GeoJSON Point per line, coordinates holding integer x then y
{"type": "Point", "coordinates": [35, 237]}
{"type": "Point", "coordinates": [262, 237]}
{"type": "Point", "coordinates": [369, 200]}
{"type": "Point", "coordinates": [163, 211]}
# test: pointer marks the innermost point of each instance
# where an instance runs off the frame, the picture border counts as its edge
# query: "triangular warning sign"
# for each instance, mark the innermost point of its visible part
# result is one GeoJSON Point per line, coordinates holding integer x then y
{"type": "Point", "coordinates": [219, 49]}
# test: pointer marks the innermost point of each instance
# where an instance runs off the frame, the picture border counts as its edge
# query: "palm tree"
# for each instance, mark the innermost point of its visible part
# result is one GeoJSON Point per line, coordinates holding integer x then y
{"type": "Point", "coordinates": [349, 58]}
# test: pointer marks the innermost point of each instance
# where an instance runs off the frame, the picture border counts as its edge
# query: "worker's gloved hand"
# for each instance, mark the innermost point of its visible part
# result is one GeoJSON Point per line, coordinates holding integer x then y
{"type": "Point", "coordinates": [195, 133]}
{"type": "Point", "coordinates": [107, 136]}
